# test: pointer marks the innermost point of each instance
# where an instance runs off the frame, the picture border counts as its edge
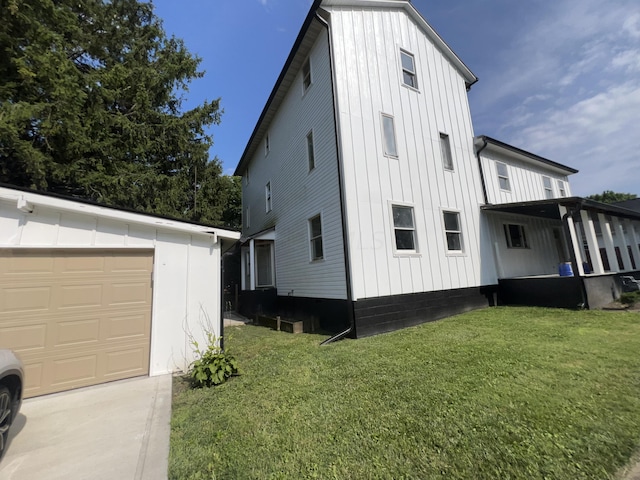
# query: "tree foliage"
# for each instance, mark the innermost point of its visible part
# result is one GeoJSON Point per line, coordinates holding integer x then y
{"type": "Point", "coordinates": [609, 196]}
{"type": "Point", "coordinates": [91, 95]}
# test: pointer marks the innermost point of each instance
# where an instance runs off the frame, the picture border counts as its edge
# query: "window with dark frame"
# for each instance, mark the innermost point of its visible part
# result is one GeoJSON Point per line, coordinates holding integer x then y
{"type": "Point", "coordinates": [404, 228]}
{"type": "Point", "coordinates": [445, 149]}
{"type": "Point", "coordinates": [389, 134]}
{"type": "Point", "coordinates": [306, 75]}
{"type": "Point", "coordinates": [311, 157]}
{"type": "Point", "coordinates": [503, 176]}
{"type": "Point", "coordinates": [515, 235]}
{"type": "Point", "coordinates": [315, 238]}
{"type": "Point", "coordinates": [408, 69]}
{"type": "Point", "coordinates": [453, 231]}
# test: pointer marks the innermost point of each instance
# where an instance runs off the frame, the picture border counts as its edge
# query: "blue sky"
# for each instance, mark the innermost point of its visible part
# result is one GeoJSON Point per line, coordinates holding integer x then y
{"type": "Point", "coordinates": [560, 79]}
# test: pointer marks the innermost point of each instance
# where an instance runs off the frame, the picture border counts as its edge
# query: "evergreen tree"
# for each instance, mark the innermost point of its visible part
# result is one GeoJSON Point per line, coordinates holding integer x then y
{"type": "Point", "coordinates": [90, 106]}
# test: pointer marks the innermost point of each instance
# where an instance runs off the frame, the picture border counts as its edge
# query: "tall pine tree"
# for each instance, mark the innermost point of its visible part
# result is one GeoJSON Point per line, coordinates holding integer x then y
{"type": "Point", "coordinates": [91, 98]}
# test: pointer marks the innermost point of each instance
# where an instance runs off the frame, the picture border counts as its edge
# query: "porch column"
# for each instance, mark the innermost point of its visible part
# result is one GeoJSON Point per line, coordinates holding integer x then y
{"type": "Point", "coordinates": [608, 243]}
{"type": "Point", "coordinates": [574, 240]}
{"type": "Point", "coordinates": [633, 238]}
{"type": "Point", "coordinates": [243, 271]}
{"type": "Point", "coordinates": [592, 241]}
{"type": "Point", "coordinates": [252, 259]}
{"type": "Point", "coordinates": [622, 244]}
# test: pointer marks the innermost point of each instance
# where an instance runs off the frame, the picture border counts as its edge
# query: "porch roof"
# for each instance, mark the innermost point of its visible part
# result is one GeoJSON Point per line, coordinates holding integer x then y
{"type": "Point", "coordinates": [548, 208]}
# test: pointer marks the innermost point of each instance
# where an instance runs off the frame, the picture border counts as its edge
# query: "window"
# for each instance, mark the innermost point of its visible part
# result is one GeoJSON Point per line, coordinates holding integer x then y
{"type": "Point", "coordinates": [306, 75]}
{"type": "Point", "coordinates": [267, 145]}
{"type": "Point", "coordinates": [315, 238]}
{"type": "Point", "coordinates": [404, 228]}
{"type": "Point", "coordinates": [408, 69]}
{"type": "Point", "coordinates": [248, 219]}
{"type": "Point", "coordinates": [515, 236]}
{"type": "Point", "coordinates": [445, 150]}
{"type": "Point", "coordinates": [503, 176]}
{"type": "Point", "coordinates": [389, 133]}
{"type": "Point", "coordinates": [264, 265]}
{"type": "Point", "coordinates": [267, 196]}
{"type": "Point", "coordinates": [561, 189]}
{"type": "Point", "coordinates": [453, 231]}
{"type": "Point", "coordinates": [246, 176]}
{"type": "Point", "coordinates": [548, 189]}
{"type": "Point", "coordinates": [310, 153]}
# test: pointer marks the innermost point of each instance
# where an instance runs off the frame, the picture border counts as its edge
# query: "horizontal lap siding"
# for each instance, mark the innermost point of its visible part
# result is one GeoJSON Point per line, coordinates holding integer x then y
{"type": "Point", "coordinates": [298, 194]}
{"type": "Point", "coordinates": [368, 81]}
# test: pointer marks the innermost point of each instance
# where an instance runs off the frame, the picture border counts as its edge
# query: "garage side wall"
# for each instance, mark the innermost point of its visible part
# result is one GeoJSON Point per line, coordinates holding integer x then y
{"type": "Point", "coordinates": [186, 278]}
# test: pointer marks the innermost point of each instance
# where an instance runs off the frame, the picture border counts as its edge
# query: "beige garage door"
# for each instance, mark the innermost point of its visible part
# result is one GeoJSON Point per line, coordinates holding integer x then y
{"type": "Point", "coordinates": [76, 317]}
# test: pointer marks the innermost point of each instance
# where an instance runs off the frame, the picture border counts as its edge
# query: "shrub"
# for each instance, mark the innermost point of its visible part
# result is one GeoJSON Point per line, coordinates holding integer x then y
{"type": "Point", "coordinates": [212, 365]}
{"type": "Point", "coordinates": [629, 298]}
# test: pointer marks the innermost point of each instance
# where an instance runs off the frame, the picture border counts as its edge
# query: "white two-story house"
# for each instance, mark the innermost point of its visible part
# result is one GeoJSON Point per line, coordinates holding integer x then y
{"type": "Point", "coordinates": [367, 202]}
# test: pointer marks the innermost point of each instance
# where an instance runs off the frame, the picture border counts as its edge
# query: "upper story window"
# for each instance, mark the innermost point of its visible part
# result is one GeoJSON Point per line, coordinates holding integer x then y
{"type": "Point", "coordinates": [247, 220]}
{"type": "Point", "coordinates": [306, 75]}
{"type": "Point", "coordinates": [515, 236]}
{"type": "Point", "coordinates": [404, 228]}
{"type": "Point", "coordinates": [408, 69]}
{"type": "Point", "coordinates": [548, 188]}
{"type": "Point", "coordinates": [561, 189]}
{"type": "Point", "coordinates": [311, 157]}
{"type": "Point", "coordinates": [267, 144]}
{"type": "Point", "coordinates": [445, 150]}
{"type": "Point", "coordinates": [453, 231]}
{"type": "Point", "coordinates": [267, 196]}
{"type": "Point", "coordinates": [389, 133]}
{"type": "Point", "coordinates": [503, 176]}
{"type": "Point", "coordinates": [315, 238]}
{"type": "Point", "coordinates": [246, 176]}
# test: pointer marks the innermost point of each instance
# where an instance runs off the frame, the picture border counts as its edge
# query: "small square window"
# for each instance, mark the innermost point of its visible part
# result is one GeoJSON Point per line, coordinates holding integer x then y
{"type": "Point", "coordinates": [445, 150]}
{"type": "Point", "coordinates": [404, 228]}
{"type": "Point", "coordinates": [306, 75]}
{"type": "Point", "coordinates": [315, 238]}
{"type": "Point", "coordinates": [389, 133]}
{"type": "Point", "coordinates": [408, 69]}
{"type": "Point", "coordinates": [311, 157]}
{"type": "Point", "coordinates": [561, 189]}
{"type": "Point", "coordinates": [515, 236]}
{"type": "Point", "coordinates": [503, 176]}
{"type": "Point", "coordinates": [548, 188]}
{"type": "Point", "coordinates": [453, 231]}
{"type": "Point", "coordinates": [267, 196]}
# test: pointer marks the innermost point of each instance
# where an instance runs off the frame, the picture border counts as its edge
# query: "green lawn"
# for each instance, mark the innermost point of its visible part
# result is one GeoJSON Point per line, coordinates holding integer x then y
{"type": "Point", "coordinates": [501, 393]}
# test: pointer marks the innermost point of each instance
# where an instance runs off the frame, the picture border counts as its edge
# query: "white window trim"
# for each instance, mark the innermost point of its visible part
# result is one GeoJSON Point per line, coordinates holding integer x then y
{"type": "Point", "coordinates": [548, 189]}
{"type": "Point", "coordinates": [395, 138]}
{"type": "Point", "coordinates": [268, 197]}
{"type": "Point", "coordinates": [448, 154]}
{"type": "Point", "coordinates": [503, 176]}
{"type": "Point", "coordinates": [453, 253]}
{"type": "Point", "coordinates": [246, 176]}
{"type": "Point", "coordinates": [309, 233]}
{"type": "Point", "coordinates": [248, 220]}
{"type": "Point", "coordinates": [404, 253]}
{"type": "Point", "coordinates": [562, 190]}
{"type": "Point", "coordinates": [272, 282]}
{"type": "Point", "coordinates": [507, 238]}
{"type": "Point", "coordinates": [414, 73]}
{"type": "Point", "coordinates": [306, 88]}
{"type": "Point", "coordinates": [313, 151]}
{"type": "Point", "coordinates": [267, 145]}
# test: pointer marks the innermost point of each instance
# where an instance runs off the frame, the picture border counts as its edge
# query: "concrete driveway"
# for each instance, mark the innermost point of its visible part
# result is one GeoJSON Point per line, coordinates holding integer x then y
{"type": "Point", "coordinates": [116, 430]}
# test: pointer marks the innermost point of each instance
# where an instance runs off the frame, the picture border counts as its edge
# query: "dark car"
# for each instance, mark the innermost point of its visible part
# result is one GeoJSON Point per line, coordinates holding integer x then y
{"type": "Point", "coordinates": [11, 378]}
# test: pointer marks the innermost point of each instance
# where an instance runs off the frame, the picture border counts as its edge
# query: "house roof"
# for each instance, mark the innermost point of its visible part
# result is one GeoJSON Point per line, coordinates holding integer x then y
{"type": "Point", "coordinates": [501, 147]}
{"type": "Point", "coordinates": [309, 32]}
{"type": "Point", "coordinates": [26, 199]}
{"type": "Point", "coordinates": [549, 208]}
{"type": "Point", "coordinates": [633, 204]}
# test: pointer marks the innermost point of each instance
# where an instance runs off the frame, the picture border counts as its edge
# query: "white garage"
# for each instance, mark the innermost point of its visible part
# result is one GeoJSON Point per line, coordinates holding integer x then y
{"type": "Point", "coordinates": [91, 294]}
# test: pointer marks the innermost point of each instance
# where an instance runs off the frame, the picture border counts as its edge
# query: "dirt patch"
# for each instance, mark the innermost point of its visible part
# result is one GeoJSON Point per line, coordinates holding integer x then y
{"type": "Point", "coordinates": [635, 307]}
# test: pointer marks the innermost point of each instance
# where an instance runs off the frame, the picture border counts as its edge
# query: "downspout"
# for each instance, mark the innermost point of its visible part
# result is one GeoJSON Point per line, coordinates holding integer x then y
{"type": "Point", "coordinates": [343, 213]}
{"type": "Point", "coordinates": [484, 186]}
{"type": "Point", "coordinates": [572, 212]}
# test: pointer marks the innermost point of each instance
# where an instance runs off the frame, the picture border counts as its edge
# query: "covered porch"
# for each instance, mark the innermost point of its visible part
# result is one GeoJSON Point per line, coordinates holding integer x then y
{"type": "Point", "coordinates": [564, 252]}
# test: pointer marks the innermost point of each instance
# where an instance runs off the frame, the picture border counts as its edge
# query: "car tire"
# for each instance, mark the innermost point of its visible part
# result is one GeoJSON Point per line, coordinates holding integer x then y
{"type": "Point", "coordinates": [6, 416]}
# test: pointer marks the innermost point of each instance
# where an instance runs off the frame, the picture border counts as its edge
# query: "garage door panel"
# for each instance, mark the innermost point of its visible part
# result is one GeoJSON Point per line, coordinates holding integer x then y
{"type": "Point", "coordinates": [80, 323]}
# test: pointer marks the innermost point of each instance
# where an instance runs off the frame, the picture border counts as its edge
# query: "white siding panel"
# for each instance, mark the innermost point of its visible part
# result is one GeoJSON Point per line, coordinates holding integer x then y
{"type": "Point", "coordinates": [298, 194]}
{"type": "Point", "coordinates": [367, 45]}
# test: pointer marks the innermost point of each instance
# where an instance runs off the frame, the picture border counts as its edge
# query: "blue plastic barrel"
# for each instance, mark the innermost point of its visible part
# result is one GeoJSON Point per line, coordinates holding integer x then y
{"type": "Point", "coordinates": [565, 270]}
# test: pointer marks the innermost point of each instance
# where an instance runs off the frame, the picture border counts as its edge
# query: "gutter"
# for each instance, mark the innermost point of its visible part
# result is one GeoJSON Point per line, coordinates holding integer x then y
{"type": "Point", "coordinates": [484, 186]}
{"type": "Point", "coordinates": [343, 213]}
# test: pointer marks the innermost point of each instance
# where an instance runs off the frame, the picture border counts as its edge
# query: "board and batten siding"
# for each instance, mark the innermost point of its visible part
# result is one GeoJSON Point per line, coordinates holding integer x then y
{"type": "Point", "coordinates": [297, 193]}
{"type": "Point", "coordinates": [186, 278]}
{"type": "Point", "coordinates": [366, 47]}
{"type": "Point", "coordinates": [525, 179]}
{"type": "Point", "coordinates": [543, 254]}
